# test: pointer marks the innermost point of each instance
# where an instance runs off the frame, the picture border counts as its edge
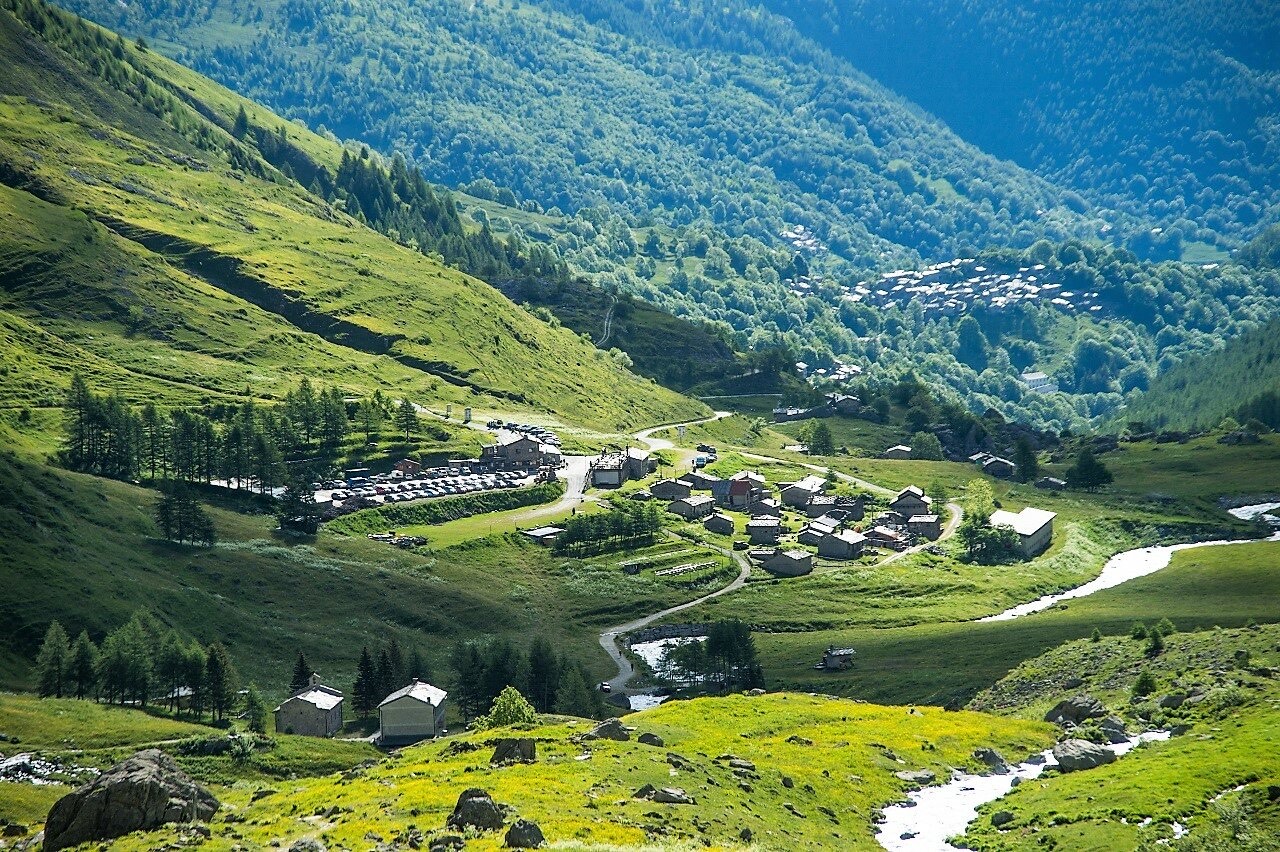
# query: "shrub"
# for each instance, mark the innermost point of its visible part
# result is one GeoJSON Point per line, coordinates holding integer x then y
{"type": "Point", "coordinates": [1096, 635]}
{"type": "Point", "coordinates": [1138, 631]}
{"type": "Point", "coordinates": [1144, 685]}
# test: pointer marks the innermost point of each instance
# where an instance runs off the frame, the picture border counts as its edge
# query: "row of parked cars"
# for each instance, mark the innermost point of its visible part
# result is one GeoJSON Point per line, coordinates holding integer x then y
{"type": "Point", "coordinates": [436, 486]}
{"type": "Point", "coordinates": [541, 433]}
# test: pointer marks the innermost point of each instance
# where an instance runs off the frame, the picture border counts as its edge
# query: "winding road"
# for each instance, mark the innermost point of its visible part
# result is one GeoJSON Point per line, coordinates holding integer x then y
{"type": "Point", "coordinates": [618, 684]}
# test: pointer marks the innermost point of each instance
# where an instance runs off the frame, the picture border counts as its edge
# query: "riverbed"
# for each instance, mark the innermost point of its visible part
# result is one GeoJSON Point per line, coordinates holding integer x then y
{"type": "Point", "coordinates": [935, 813]}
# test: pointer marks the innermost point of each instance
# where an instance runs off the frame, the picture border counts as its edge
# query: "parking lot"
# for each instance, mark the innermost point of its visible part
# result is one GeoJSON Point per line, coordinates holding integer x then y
{"type": "Point", "coordinates": [385, 489]}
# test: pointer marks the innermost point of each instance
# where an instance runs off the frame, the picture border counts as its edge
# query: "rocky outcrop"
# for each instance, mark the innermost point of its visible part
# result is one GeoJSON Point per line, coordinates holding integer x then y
{"type": "Point", "coordinates": [1074, 755]}
{"type": "Point", "coordinates": [524, 834]}
{"type": "Point", "coordinates": [650, 740]}
{"type": "Point", "coordinates": [475, 809]}
{"type": "Point", "coordinates": [514, 750]}
{"type": "Point", "coordinates": [1074, 710]}
{"type": "Point", "coordinates": [1112, 729]}
{"type": "Point", "coordinates": [993, 760]}
{"type": "Point", "coordinates": [143, 792]}
{"type": "Point", "coordinates": [609, 729]}
{"type": "Point", "coordinates": [307, 845]}
{"type": "Point", "coordinates": [917, 776]}
{"type": "Point", "coordinates": [664, 795]}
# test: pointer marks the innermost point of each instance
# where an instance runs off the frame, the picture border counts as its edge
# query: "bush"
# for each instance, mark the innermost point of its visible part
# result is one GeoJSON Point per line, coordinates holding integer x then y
{"type": "Point", "coordinates": [1138, 631]}
{"type": "Point", "coordinates": [509, 708]}
{"type": "Point", "coordinates": [1144, 685]}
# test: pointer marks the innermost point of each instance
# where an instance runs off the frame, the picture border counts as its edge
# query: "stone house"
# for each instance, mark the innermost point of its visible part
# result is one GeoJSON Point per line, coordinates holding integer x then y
{"type": "Point", "coordinates": [798, 494]}
{"type": "Point", "coordinates": [790, 563]}
{"type": "Point", "coordinates": [764, 530]}
{"type": "Point", "coordinates": [841, 544]}
{"type": "Point", "coordinates": [670, 489]}
{"type": "Point", "coordinates": [999, 468]}
{"type": "Point", "coordinates": [929, 526]}
{"type": "Point", "coordinates": [765, 506]}
{"type": "Point", "coordinates": [911, 501]}
{"type": "Point", "coordinates": [692, 508]}
{"type": "Point", "coordinates": [1033, 526]}
{"type": "Point", "coordinates": [718, 523]}
{"type": "Point", "coordinates": [413, 713]}
{"type": "Point", "coordinates": [313, 711]}
{"type": "Point", "coordinates": [815, 531]}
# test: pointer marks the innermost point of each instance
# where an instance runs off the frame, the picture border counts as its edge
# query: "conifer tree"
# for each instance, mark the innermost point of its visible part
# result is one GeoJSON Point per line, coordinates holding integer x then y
{"type": "Point", "coordinates": [255, 710]}
{"type": "Point", "coordinates": [574, 697]}
{"type": "Point", "coordinates": [407, 418]}
{"type": "Point", "coordinates": [82, 667]}
{"type": "Point", "coordinates": [362, 691]}
{"type": "Point", "coordinates": [301, 675]}
{"type": "Point", "coordinates": [1025, 458]}
{"type": "Point", "coordinates": [51, 662]}
{"type": "Point", "coordinates": [220, 680]}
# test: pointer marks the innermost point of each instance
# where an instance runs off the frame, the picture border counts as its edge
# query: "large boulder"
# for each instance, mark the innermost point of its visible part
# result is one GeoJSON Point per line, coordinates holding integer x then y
{"type": "Point", "coordinates": [609, 729]}
{"type": "Point", "coordinates": [922, 777]}
{"type": "Point", "coordinates": [514, 750]}
{"type": "Point", "coordinates": [1074, 755]}
{"type": "Point", "coordinates": [1113, 729]}
{"type": "Point", "coordinates": [524, 835]}
{"type": "Point", "coordinates": [993, 760]}
{"type": "Point", "coordinates": [475, 809]}
{"type": "Point", "coordinates": [1074, 710]}
{"type": "Point", "coordinates": [143, 792]}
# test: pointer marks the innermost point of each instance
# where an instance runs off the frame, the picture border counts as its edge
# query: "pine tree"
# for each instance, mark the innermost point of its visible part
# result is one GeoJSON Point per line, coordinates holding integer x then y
{"type": "Point", "coordinates": [171, 668]}
{"type": "Point", "coordinates": [255, 710]}
{"type": "Point", "coordinates": [418, 666]}
{"type": "Point", "coordinates": [362, 691]}
{"type": "Point", "coordinates": [1088, 473]}
{"type": "Point", "coordinates": [383, 678]}
{"type": "Point", "coordinates": [544, 675]}
{"type": "Point", "coordinates": [1025, 458]}
{"type": "Point", "coordinates": [195, 677]}
{"type": "Point", "coordinates": [407, 418]}
{"type": "Point", "coordinates": [51, 662]}
{"type": "Point", "coordinates": [820, 441]}
{"type": "Point", "coordinates": [241, 126]}
{"type": "Point", "coordinates": [82, 667]}
{"type": "Point", "coordinates": [574, 697]}
{"type": "Point", "coordinates": [301, 675]}
{"type": "Point", "coordinates": [468, 666]}
{"type": "Point", "coordinates": [220, 680]}
{"type": "Point", "coordinates": [399, 672]}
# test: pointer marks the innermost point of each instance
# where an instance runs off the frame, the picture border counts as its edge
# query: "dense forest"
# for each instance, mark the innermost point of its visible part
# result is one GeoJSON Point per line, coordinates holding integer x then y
{"type": "Point", "coordinates": [1161, 110]}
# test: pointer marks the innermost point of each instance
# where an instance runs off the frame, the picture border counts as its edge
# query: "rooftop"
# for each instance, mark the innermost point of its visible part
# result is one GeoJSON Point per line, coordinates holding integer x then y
{"type": "Point", "coordinates": [1027, 522]}
{"type": "Point", "coordinates": [420, 691]}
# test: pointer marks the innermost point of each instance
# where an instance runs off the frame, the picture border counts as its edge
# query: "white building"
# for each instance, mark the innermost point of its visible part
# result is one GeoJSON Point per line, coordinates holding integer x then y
{"type": "Point", "coordinates": [413, 713]}
{"type": "Point", "coordinates": [1038, 382]}
{"type": "Point", "coordinates": [1033, 526]}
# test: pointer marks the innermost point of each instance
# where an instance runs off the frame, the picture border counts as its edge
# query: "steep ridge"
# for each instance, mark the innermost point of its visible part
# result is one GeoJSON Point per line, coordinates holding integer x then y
{"type": "Point", "coordinates": [195, 215]}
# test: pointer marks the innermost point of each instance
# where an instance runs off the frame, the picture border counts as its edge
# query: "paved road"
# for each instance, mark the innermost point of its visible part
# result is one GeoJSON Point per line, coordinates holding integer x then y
{"type": "Point", "coordinates": [609, 639]}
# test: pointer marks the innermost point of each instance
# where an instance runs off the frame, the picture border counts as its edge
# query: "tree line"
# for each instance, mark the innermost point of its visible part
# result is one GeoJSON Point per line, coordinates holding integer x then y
{"type": "Point", "coordinates": [552, 682]}
{"type": "Point", "coordinates": [726, 659]}
{"type": "Point", "coordinates": [630, 524]}
{"type": "Point", "coordinates": [139, 663]}
{"type": "Point", "coordinates": [377, 676]}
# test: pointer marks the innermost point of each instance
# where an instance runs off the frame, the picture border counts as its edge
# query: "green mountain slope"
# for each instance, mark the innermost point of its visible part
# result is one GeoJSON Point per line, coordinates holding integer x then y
{"type": "Point", "coordinates": [200, 269]}
{"type": "Point", "coordinates": [1163, 110]}
{"type": "Point", "coordinates": [1241, 380]}
{"type": "Point", "coordinates": [709, 113]}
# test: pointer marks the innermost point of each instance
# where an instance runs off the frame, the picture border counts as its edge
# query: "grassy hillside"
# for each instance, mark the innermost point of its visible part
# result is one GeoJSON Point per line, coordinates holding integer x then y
{"type": "Point", "coordinates": [1227, 586]}
{"type": "Point", "coordinates": [201, 269]}
{"type": "Point", "coordinates": [85, 551]}
{"type": "Point", "coordinates": [838, 758]}
{"type": "Point", "coordinates": [1224, 763]}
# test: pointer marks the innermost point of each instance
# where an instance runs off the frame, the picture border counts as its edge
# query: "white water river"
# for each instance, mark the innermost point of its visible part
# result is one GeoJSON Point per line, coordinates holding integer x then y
{"type": "Point", "coordinates": [935, 813]}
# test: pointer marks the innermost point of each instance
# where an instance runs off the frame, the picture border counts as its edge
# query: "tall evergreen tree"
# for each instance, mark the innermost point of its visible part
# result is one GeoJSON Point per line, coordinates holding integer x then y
{"type": "Point", "coordinates": [544, 675]}
{"type": "Point", "coordinates": [51, 662]}
{"type": "Point", "coordinates": [82, 667]}
{"type": "Point", "coordinates": [407, 418]}
{"type": "Point", "coordinates": [301, 675]}
{"type": "Point", "coordinates": [220, 679]}
{"type": "Point", "coordinates": [255, 710]}
{"type": "Point", "coordinates": [362, 691]}
{"type": "Point", "coordinates": [1024, 456]}
{"type": "Point", "coordinates": [384, 677]}
{"type": "Point", "coordinates": [574, 697]}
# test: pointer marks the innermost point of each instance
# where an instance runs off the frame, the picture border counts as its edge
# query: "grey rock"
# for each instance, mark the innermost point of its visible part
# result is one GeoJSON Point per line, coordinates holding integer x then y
{"type": "Point", "coordinates": [650, 740]}
{"type": "Point", "coordinates": [745, 835]}
{"type": "Point", "coordinates": [755, 693]}
{"type": "Point", "coordinates": [739, 763]}
{"type": "Point", "coordinates": [307, 845]}
{"type": "Point", "coordinates": [787, 782]}
{"type": "Point", "coordinates": [1016, 782]}
{"type": "Point", "coordinates": [1074, 710]}
{"type": "Point", "coordinates": [1112, 728]}
{"type": "Point", "coordinates": [1172, 701]}
{"type": "Point", "coordinates": [514, 750]}
{"type": "Point", "coordinates": [443, 843]}
{"type": "Point", "coordinates": [475, 809]}
{"type": "Point", "coordinates": [609, 729]}
{"type": "Point", "coordinates": [917, 776]}
{"type": "Point", "coordinates": [143, 792]}
{"type": "Point", "coordinates": [524, 834]}
{"type": "Point", "coordinates": [1074, 755]}
{"type": "Point", "coordinates": [993, 760]}
{"type": "Point", "coordinates": [644, 792]}
{"type": "Point", "coordinates": [1000, 818]}
{"type": "Point", "coordinates": [1072, 683]}
{"type": "Point", "coordinates": [672, 796]}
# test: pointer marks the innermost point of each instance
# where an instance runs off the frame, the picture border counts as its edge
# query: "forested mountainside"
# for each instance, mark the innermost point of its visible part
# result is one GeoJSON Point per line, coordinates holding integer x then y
{"type": "Point", "coordinates": [1165, 110]}
{"type": "Point", "coordinates": [204, 272]}
{"type": "Point", "coordinates": [708, 113]}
